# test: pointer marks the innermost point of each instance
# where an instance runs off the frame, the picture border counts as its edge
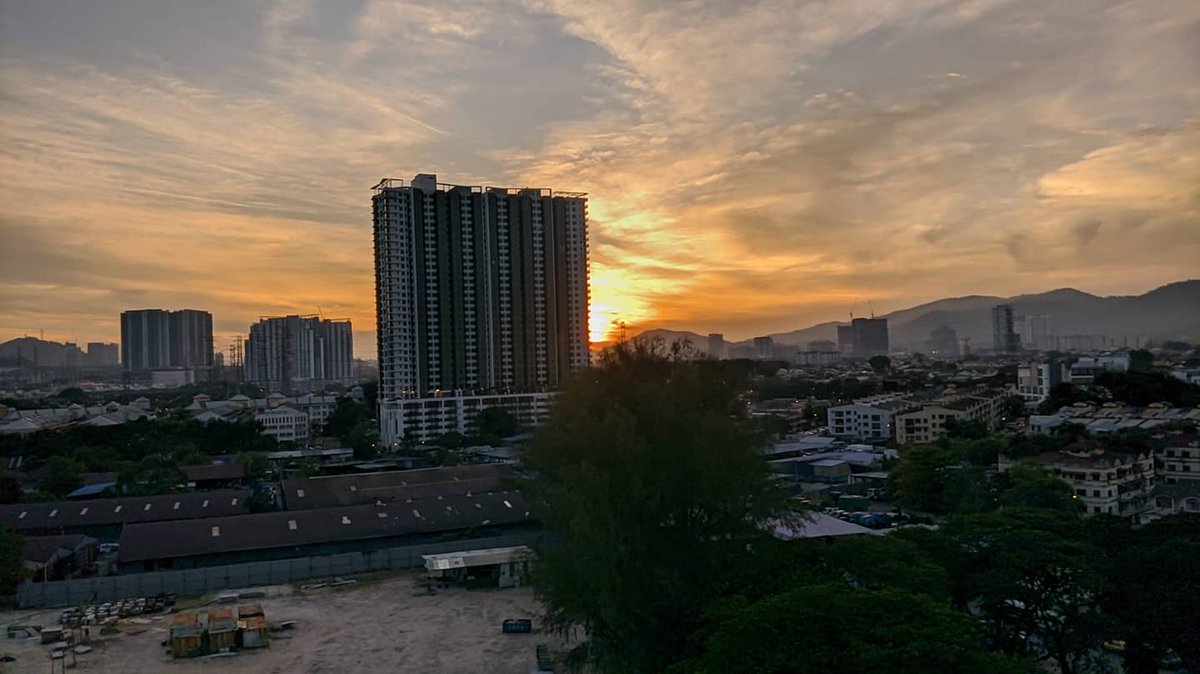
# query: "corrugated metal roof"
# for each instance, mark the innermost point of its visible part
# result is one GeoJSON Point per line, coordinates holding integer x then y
{"type": "Point", "coordinates": [263, 531]}
{"type": "Point", "coordinates": [105, 511]}
{"type": "Point", "coordinates": [401, 485]}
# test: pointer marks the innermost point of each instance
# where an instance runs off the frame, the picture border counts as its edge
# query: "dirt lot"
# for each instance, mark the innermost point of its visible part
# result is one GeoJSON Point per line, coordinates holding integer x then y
{"type": "Point", "coordinates": [377, 626]}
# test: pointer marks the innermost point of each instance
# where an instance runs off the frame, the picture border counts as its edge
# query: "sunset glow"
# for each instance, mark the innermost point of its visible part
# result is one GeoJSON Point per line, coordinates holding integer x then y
{"type": "Point", "coordinates": [748, 170]}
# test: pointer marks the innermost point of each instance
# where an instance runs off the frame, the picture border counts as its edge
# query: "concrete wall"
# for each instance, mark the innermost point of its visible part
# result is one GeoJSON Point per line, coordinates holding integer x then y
{"type": "Point", "coordinates": [213, 578]}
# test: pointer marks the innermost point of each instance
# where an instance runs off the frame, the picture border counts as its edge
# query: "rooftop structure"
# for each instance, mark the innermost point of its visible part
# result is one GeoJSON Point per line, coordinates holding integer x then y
{"type": "Point", "coordinates": [345, 490]}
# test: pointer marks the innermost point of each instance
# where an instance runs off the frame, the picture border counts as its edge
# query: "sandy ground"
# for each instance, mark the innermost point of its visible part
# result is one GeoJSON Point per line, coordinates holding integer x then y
{"type": "Point", "coordinates": [377, 626]}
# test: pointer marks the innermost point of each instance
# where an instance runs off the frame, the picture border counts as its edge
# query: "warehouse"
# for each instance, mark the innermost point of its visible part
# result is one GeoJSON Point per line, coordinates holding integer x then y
{"type": "Point", "coordinates": [282, 535]}
{"type": "Point", "coordinates": [347, 490]}
{"type": "Point", "coordinates": [103, 518]}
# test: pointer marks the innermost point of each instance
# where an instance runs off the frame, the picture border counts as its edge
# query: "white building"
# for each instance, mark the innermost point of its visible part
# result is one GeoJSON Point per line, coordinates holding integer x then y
{"type": "Point", "coordinates": [285, 424]}
{"type": "Point", "coordinates": [1034, 380]}
{"type": "Point", "coordinates": [868, 419]}
{"type": "Point", "coordinates": [1085, 370]}
{"type": "Point", "coordinates": [426, 419]}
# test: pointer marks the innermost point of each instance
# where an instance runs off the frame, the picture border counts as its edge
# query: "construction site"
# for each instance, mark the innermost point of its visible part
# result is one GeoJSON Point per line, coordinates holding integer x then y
{"type": "Point", "coordinates": [394, 623]}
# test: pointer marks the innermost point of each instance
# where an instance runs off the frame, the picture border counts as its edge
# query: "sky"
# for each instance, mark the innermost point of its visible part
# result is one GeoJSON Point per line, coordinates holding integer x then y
{"type": "Point", "coordinates": [752, 167]}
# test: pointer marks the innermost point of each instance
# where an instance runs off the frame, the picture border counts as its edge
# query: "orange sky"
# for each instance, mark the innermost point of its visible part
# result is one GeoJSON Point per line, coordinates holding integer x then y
{"type": "Point", "coordinates": [752, 167]}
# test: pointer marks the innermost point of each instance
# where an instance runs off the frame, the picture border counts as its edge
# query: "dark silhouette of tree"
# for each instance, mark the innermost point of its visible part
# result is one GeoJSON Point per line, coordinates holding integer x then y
{"type": "Point", "coordinates": [652, 479]}
{"type": "Point", "coordinates": [880, 364]}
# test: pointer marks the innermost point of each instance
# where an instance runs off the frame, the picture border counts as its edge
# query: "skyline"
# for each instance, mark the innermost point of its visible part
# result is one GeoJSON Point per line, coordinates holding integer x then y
{"type": "Point", "coordinates": [750, 168]}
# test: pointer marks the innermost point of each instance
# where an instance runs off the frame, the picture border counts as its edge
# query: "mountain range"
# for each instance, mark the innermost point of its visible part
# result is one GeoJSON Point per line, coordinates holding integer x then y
{"type": "Point", "coordinates": [1169, 312]}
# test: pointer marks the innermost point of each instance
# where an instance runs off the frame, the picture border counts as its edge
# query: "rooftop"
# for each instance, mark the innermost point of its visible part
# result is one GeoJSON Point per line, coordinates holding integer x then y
{"type": "Point", "coordinates": [122, 510]}
{"type": "Point", "coordinates": [263, 531]}
{"type": "Point", "coordinates": [345, 490]}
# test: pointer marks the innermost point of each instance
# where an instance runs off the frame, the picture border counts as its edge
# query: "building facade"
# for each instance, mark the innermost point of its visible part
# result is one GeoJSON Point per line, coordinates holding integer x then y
{"type": "Point", "coordinates": [867, 419]}
{"type": "Point", "coordinates": [157, 339]}
{"type": "Point", "coordinates": [284, 423]}
{"type": "Point", "coordinates": [864, 337]}
{"type": "Point", "coordinates": [923, 426]}
{"type": "Point", "coordinates": [298, 354]}
{"type": "Point", "coordinates": [478, 290]}
{"type": "Point", "coordinates": [1104, 482]}
{"type": "Point", "coordinates": [1004, 337]}
{"type": "Point", "coordinates": [427, 419]}
{"type": "Point", "coordinates": [102, 354]}
{"type": "Point", "coordinates": [1034, 380]}
{"type": "Point", "coordinates": [716, 346]}
{"type": "Point", "coordinates": [1085, 370]}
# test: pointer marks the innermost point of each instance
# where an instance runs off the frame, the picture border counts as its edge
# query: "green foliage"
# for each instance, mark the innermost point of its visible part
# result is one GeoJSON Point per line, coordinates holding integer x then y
{"type": "Point", "coordinates": [104, 448]}
{"type": "Point", "coordinates": [1154, 581]}
{"type": "Point", "coordinates": [12, 570]}
{"type": "Point", "coordinates": [1145, 388]}
{"type": "Point", "coordinates": [347, 414]}
{"type": "Point", "coordinates": [966, 429]}
{"type": "Point", "coordinates": [61, 476]}
{"type": "Point", "coordinates": [1034, 485]}
{"type": "Point", "coordinates": [649, 474]}
{"type": "Point", "coordinates": [919, 480]}
{"type": "Point", "coordinates": [835, 629]}
{"type": "Point", "coordinates": [154, 474]}
{"type": "Point", "coordinates": [1014, 408]}
{"type": "Point", "coordinates": [364, 439]}
{"type": "Point", "coordinates": [1063, 395]}
{"type": "Point", "coordinates": [256, 465]}
{"type": "Point", "coordinates": [1141, 360]}
{"type": "Point", "coordinates": [10, 488]}
{"type": "Point", "coordinates": [493, 424]}
{"type": "Point", "coordinates": [1037, 584]}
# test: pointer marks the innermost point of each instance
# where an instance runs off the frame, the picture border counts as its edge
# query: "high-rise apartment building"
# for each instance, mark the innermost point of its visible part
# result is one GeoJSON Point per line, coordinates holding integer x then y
{"type": "Point", "coordinates": [716, 346]}
{"type": "Point", "coordinates": [477, 290]}
{"type": "Point", "coordinates": [1039, 335]}
{"type": "Point", "coordinates": [1004, 338]}
{"type": "Point", "coordinates": [864, 337]}
{"type": "Point", "coordinates": [299, 354]}
{"type": "Point", "coordinates": [102, 354]}
{"type": "Point", "coordinates": [191, 341]}
{"type": "Point", "coordinates": [156, 339]}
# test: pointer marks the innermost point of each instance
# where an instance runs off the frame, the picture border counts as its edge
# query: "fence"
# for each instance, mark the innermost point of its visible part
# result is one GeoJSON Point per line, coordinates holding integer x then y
{"type": "Point", "coordinates": [209, 579]}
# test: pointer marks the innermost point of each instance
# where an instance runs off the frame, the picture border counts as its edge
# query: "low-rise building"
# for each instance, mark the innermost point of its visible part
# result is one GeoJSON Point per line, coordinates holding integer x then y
{"type": "Point", "coordinates": [928, 423]}
{"type": "Point", "coordinates": [426, 419]}
{"type": "Point", "coordinates": [1109, 417]}
{"type": "Point", "coordinates": [1179, 459]}
{"type": "Point", "coordinates": [1104, 482]}
{"type": "Point", "coordinates": [1034, 380]}
{"type": "Point", "coordinates": [284, 423]}
{"type": "Point", "coordinates": [868, 419]}
{"type": "Point", "coordinates": [1085, 370]}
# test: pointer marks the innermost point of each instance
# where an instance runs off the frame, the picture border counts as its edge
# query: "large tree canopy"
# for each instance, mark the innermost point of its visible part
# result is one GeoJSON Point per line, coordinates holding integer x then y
{"type": "Point", "coordinates": [653, 481]}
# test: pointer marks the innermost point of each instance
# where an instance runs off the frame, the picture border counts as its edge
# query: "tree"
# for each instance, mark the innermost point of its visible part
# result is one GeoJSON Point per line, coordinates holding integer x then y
{"type": "Point", "coordinates": [919, 480]}
{"type": "Point", "coordinates": [496, 423]}
{"type": "Point", "coordinates": [1062, 395]}
{"type": "Point", "coordinates": [10, 489]}
{"type": "Point", "coordinates": [880, 364]}
{"type": "Point", "coordinates": [256, 465]}
{"type": "Point", "coordinates": [12, 552]}
{"type": "Point", "coordinates": [1141, 360]}
{"type": "Point", "coordinates": [836, 629]}
{"type": "Point", "coordinates": [347, 413]}
{"type": "Point", "coordinates": [61, 476]}
{"type": "Point", "coordinates": [1014, 408]}
{"type": "Point", "coordinates": [1037, 584]}
{"type": "Point", "coordinates": [1154, 591]}
{"type": "Point", "coordinates": [1034, 485]}
{"type": "Point", "coordinates": [364, 438]}
{"type": "Point", "coordinates": [651, 479]}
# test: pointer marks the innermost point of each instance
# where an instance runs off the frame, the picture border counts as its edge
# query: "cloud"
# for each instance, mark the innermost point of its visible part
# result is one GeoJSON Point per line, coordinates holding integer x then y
{"type": "Point", "coordinates": [752, 166]}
